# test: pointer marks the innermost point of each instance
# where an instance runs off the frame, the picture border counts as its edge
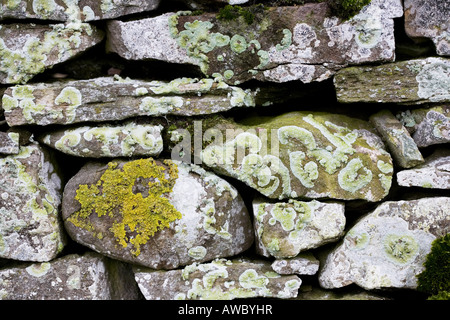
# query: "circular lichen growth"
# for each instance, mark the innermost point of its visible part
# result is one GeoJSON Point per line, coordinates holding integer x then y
{"type": "Point", "coordinates": [400, 248]}
{"type": "Point", "coordinates": [137, 213]}
{"type": "Point", "coordinates": [435, 279]}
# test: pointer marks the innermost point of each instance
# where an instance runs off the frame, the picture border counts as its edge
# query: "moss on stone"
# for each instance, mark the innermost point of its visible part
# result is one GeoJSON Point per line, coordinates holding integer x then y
{"type": "Point", "coordinates": [346, 9]}
{"type": "Point", "coordinates": [136, 217]}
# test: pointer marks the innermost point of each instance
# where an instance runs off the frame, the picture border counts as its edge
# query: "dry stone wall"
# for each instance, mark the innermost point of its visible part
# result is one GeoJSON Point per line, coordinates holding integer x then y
{"type": "Point", "coordinates": [221, 149]}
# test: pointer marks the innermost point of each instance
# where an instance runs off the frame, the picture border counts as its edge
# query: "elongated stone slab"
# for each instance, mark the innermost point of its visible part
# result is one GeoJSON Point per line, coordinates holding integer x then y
{"type": "Point", "coordinates": [106, 99]}
{"type": "Point", "coordinates": [218, 280]}
{"type": "Point", "coordinates": [283, 230]}
{"type": "Point", "coordinates": [428, 126]}
{"type": "Point", "coordinates": [299, 154]}
{"type": "Point", "coordinates": [279, 44]}
{"type": "Point", "coordinates": [388, 247]}
{"type": "Point", "coordinates": [9, 143]}
{"type": "Point", "coordinates": [30, 195]}
{"type": "Point", "coordinates": [73, 10]}
{"type": "Point", "coordinates": [127, 140]}
{"type": "Point", "coordinates": [137, 211]}
{"type": "Point", "coordinates": [28, 49]}
{"type": "Point", "coordinates": [303, 264]}
{"type": "Point", "coordinates": [429, 19]}
{"type": "Point", "coordinates": [73, 277]}
{"type": "Point", "coordinates": [402, 147]}
{"type": "Point", "coordinates": [434, 173]}
{"type": "Point", "coordinates": [409, 82]}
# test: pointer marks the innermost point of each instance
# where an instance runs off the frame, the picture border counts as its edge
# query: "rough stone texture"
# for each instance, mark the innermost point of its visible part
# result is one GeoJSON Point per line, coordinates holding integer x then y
{"type": "Point", "coordinates": [402, 147]}
{"type": "Point", "coordinates": [429, 19]}
{"type": "Point", "coordinates": [303, 264]}
{"type": "Point", "coordinates": [72, 277]}
{"type": "Point", "coordinates": [434, 173]}
{"type": "Point", "coordinates": [30, 226]}
{"type": "Point", "coordinates": [114, 98]}
{"type": "Point", "coordinates": [28, 49]}
{"type": "Point", "coordinates": [9, 143]}
{"type": "Point", "coordinates": [282, 44]}
{"type": "Point", "coordinates": [428, 126]}
{"type": "Point", "coordinates": [73, 10]}
{"type": "Point", "coordinates": [410, 82]}
{"type": "Point", "coordinates": [283, 230]}
{"type": "Point", "coordinates": [213, 222]}
{"type": "Point", "coordinates": [218, 280]}
{"type": "Point", "coordinates": [206, 4]}
{"type": "Point", "coordinates": [387, 248]}
{"type": "Point", "coordinates": [126, 140]}
{"type": "Point", "coordinates": [297, 154]}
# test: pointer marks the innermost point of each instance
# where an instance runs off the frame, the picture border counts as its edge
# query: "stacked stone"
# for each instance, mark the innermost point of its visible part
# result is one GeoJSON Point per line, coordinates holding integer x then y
{"type": "Point", "coordinates": [170, 197]}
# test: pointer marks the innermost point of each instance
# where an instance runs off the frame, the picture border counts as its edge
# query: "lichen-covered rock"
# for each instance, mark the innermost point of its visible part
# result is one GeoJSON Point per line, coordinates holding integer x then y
{"type": "Point", "coordinates": [73, 277]}
{"type": "Point", "coordinates": [403, 149]}
{"type": "Point", "coordinates": [30, 226]}
{"type": "Point", "coordinates": [218, 280]}
{"type": "Point", "coordinates": [434, 173]}
{"type": "Point", "coordinates": [387, 248]}
{"type": "Point", "coordinates": [157, 214]}
{"type": "Point", "coordinates": [428, 126]}
{"type": "Point", "coordinates": [9, 143]}
{"type": "Point", "coordinates": [276, 44]}
{"type": "Point", "coordinates": [114, 98]}
{"type": "Point", "coordinates": [302, 264]}
{"type": "Point", "coordinates": [298, 154]}
{"type": "Point", "coordinates": [73, 10]}
{"type": "Point", "coordinates": [28, 49]}
{"type": "Point", "coordinates": [283, 230]}
{"type": "Point", "coordinates": [429, 19]}
{"type": "Point", "coordinates": [126, 140]}
{"type": "Point", "coordinates": [409, 82]}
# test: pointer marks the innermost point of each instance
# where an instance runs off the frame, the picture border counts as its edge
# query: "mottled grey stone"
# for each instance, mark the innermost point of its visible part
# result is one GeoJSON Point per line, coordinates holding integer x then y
{"type": "Point", "coordinates": [218, 280]}
{"type": "Point", "coordinates": [303, 264]}
{"type": "Point", "coordinates": [9, 143]}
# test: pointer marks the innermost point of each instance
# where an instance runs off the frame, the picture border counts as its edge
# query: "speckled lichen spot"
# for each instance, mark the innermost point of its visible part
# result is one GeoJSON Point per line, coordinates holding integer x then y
{"type": "Point", "coordinates": [136, 216]}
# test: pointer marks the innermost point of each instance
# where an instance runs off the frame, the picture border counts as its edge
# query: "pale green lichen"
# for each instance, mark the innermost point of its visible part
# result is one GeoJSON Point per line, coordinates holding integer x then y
{"type": "Point", "coordinates": [286, 41]}
{"type": "Point", "coordinates": [434, 82]}
{"type": "Point", "coordinates": [238, 44]}
{"type": "Point", "coordinates": [368, 31]}
{"type": "Point", "coordinates": [198, 252]}
{"type": "Point", "coordinates": [157, 106]}
{"type": "Point", "coordinates": [401, 249]}
{"type": "Point", "coordinates": [351, 178]}
{"type": "Point", "coordinates": [44, 8]}
{"type": "Point", "coordinates": [250, 279]}
{"type": "Point", "coordinates": [38, 269]}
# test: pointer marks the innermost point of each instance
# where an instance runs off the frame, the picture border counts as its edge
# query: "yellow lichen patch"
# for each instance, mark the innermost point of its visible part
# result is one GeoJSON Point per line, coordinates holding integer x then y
{"type": "Point", "coordinates": [136, 216]}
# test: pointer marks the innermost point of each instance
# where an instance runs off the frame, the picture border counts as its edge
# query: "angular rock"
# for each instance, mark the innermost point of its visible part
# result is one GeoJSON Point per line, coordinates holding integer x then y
{"type": "Point", "coordinates": [298, 154]}
{"type": "Point", "coordinates": [9, 143]}
{"type": "Point", "coordinates": [283, 230]}
{"type": "Point", "coordinates": [429, 19]}
{"type": "Point", "coordinates": [157, 214]}
{"type": "Point", "coordinates": [428, 126]}
{"type": "Point", "coordinates": [277, 44]}
{"type": "Point", "coordinates": [30, 194]}
{"type": "Point", "coordinates": [434, 173]}
{"type": "Point", "coordinates": [106, 99]}
{"type": "Point", "coordinates": [387, 248]}
{"type": "Point", "coordinates": [409, 82]}
{"type": "Point", "coordinates": [73, 277]}
{"type": "Point", "coordinates": [68, 10]}
{"type": "Point", "coordinates": [403, 149]}
{"type": "Point", "coordinates": [28, 49]}
{"type": "Point", "coordinates": [303, 264]}
{"type": "Point", "coordinates": [220, 279]}
{"type": "Point", "coordinates": [126, 140]}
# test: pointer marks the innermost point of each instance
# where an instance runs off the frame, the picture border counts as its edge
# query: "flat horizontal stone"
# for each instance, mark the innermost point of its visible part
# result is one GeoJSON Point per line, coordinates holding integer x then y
{"type": "Point", "coordinates": [114, 98]}
{"type": "Point", "coordinates": [429, 19]}
{"type": "Point", "coordinates": [407, 82]}
{"type": "Point", "coordinates": [127, 140]}
{"type": "Point", "coordinates": [218, 280]}
{"type": "Point", "coordinates": [28, 49]}
{"type": "Point", "coordinates": [428, 126]}
{"type": "Point", "coordinates": [294, 155]}
{"type": "Point", "coordinates": [387, 248]}
{"type": "Point", "coordinates": [434, 173]}
{"type": "Point", "coordinates": [69, 10]}
{"type": "Point", "coordinates": [278, 44]}
{"type": "Point", "coordinates": [73, 277]}
{"type": "Point", "coordinates": [283, 230]}
{"type": "Point", "coordinates": [9, 143]}
{"type": "Point", "coordinates": [30, 195]}
{"type": "Point", "coordinates": [303, 264]}
{"type": "Point", "coordinates": [158, 214]}
{"type": "Point", "coordinates": [402, 147]}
